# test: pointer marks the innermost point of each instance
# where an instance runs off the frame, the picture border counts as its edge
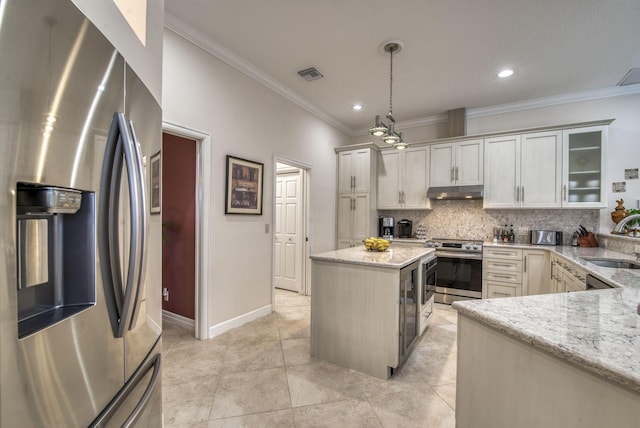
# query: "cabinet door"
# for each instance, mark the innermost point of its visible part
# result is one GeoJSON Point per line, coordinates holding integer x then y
{"type": "Point", "coordinates": [415, 181]}
{"type": "Point", "coordinates": [501, 171]}
{"type": "Point", "coordinates": [469, 163]}
{"type": "Point", "coordinates": [441, 172]}
{"type": "Point", "coordinates": [541, 170]}
{"type": "Point", "coordinates": [354, 171]}
{"type": "Point", "coordinates": [535, 278]}
{"type": "Point", "coordinates": [361, 216]}
{"type": "Point", "coordinates": [345, 219]}
{"type": "Point", "coordinates": [583, 165]}
{"type": "Point", "coordinates": [345, 177]}
{"type": "Point", "coordinates": [361, 170]}
{"type": "Point", "coordinates": [389, 179]}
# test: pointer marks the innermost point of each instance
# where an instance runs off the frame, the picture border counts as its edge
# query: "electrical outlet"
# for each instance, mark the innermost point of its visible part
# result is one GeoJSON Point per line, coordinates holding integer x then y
{"type": "Point", "coordinates": [165, 294]}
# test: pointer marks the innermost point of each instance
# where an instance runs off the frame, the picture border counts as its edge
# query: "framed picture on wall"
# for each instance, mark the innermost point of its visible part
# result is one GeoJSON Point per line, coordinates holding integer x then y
{"type": "Point", "coordinates": [155, 183]}
{"type": "Point", "coordinates": [244, 186]}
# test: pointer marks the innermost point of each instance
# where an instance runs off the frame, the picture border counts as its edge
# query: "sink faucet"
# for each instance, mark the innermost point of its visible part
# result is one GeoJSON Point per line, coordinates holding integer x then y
{"type": "Point", "coordinates": [617, 230]}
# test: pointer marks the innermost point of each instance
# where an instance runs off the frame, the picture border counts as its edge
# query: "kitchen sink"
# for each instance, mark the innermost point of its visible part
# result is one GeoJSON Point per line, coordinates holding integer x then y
{"type": "Point", "coordinates": [614, 263]}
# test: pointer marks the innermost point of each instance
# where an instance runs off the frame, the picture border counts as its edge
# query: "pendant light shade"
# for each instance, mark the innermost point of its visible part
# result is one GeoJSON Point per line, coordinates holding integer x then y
{"type": "Point", "coordinates": [379, 129]}
{"type": "Point", "coordinates": [386, 130]}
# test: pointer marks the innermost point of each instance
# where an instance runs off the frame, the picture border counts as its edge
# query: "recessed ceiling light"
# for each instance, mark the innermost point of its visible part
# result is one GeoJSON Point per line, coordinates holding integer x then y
{"type": "Point", "coordinates": [357, 106]}
{"type": "Point", "coordinates": [505, 73]}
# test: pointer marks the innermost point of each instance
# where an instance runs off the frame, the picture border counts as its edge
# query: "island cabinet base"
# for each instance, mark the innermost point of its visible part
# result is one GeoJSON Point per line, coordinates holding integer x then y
{"type": "Point", "coordinates": [355, 316]}
{"type": "Point", "coordinates": [504, 382]}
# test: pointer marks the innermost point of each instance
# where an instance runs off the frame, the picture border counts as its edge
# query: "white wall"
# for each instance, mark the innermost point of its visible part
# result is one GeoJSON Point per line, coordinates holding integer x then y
{"type": "Point", "coordinates": [247, 120]}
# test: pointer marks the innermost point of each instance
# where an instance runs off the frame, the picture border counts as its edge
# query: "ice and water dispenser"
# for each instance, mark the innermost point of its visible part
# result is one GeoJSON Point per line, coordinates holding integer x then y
{"type": "Point", "coordinates": [55, 254]}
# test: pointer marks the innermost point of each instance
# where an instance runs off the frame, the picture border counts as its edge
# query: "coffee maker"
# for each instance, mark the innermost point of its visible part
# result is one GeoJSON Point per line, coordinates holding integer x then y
{"type": "Point", "coordinates": [385, 227]}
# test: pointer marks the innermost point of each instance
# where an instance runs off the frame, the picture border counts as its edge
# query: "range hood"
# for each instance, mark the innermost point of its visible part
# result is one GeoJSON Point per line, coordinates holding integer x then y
{"type": "Point", "coordinates": [455, 192]}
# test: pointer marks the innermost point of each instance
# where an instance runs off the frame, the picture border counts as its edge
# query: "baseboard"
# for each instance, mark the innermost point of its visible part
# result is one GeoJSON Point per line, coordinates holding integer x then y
{"type": "Point", "coordinates": [238, 321]}
{"type": "Point", "coordinates": [178, 320]}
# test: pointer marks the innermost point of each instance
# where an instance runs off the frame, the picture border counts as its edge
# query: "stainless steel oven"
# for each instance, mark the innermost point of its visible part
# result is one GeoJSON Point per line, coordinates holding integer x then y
{"type": "Point", "coordinates": [459, 274]}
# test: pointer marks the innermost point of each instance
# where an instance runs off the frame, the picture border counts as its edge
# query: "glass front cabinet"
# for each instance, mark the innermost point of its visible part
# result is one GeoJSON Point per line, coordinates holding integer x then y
{"type": "Point", "coordinates": [583, 163]}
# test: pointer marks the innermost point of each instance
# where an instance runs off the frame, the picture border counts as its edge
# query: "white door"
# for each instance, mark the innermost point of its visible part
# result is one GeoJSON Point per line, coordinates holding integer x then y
{"type": "Point", "coordinates": [288, 233]}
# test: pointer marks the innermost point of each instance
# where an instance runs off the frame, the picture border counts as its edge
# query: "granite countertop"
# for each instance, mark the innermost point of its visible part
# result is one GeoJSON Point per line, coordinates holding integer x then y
{"type": "Point", "coordinates": [395, 257]}
{"type": "Point", "coordinates": [598, 330]}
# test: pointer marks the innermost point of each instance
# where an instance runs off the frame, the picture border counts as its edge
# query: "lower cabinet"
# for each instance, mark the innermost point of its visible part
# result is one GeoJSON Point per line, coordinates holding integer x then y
{"type": "Point", "coordinates": [501, 272]}
{"type": "Point", "coordinates": [566, 276]}
{"type": "Point", "coordinates": [504, 382]}
{"type": "Point", "coordinates": [509, 272]}
{"type": "Point", "coordinates": [535, 275]}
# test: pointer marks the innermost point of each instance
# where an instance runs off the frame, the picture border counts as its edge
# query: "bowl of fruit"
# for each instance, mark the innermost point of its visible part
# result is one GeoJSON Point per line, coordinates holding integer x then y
{"type": "Point", "coordinates": [376, 244]}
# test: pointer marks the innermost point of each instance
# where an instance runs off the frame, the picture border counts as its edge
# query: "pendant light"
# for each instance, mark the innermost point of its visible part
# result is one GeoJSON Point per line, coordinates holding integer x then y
{"type": "Point", "coordinates": [387, 130]}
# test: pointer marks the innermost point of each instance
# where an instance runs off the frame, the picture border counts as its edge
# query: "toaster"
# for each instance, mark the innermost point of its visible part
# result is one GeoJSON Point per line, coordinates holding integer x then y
{"type": "Point", "coordinates": [546, 237]}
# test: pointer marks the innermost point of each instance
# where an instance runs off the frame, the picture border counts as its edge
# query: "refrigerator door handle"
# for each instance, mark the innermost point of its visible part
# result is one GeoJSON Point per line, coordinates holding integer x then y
{"type": "Point", "coordinates": [107, 225]}
{"type": "Point", "coordinates": [133, 268]}
{"type": "Point", "coordinates": [148, 393]}
{"type": "Point", "coordinates": [143, 229]}
{"type": "Point", "coordinates": [103, 418]}
{"type": "Point", "coordinates": [119, 301]}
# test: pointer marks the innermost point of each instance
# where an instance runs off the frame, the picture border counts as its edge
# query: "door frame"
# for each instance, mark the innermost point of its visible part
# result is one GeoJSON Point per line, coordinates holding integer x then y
{"type": "Point", "coordinates": [203, 227]}
{"type": "Point", "coordinates": [305, 186]}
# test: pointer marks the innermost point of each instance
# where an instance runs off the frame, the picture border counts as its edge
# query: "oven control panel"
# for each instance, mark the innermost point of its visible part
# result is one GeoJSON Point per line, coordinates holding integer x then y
{"type": "Point", "coordinates": [455, 245]}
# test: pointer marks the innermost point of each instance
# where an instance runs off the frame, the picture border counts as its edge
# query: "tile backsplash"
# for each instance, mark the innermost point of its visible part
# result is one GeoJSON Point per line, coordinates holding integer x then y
{"type": "Point", "coordinates": [467, 220]}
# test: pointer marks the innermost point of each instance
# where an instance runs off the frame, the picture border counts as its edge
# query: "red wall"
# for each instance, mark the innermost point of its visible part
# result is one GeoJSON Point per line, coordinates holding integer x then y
{"type": "Point", "coordinates": [178, 209]}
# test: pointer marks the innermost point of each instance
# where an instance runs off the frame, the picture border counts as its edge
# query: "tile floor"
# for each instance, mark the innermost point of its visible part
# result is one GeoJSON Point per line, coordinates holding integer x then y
{"type": "Point", "coordinates": [261, 375]}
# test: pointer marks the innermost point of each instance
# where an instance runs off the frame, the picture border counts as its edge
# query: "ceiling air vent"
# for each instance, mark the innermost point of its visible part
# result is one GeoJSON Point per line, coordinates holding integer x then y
{"type": "Point", "coordinates": [310, 74]}
{"type": "Point", "coordinates": [631, 78]}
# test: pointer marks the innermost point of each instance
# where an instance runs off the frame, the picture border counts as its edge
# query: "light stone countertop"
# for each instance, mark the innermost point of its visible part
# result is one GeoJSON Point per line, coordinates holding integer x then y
{"type": "Point", "coordinates": [395, 257]}
{"type": "Point", "coordinates": [598, 330]}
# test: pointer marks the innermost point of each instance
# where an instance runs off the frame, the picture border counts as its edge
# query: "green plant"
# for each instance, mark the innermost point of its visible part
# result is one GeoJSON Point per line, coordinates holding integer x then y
{"type": "Point", "coordinates": [634, 224]}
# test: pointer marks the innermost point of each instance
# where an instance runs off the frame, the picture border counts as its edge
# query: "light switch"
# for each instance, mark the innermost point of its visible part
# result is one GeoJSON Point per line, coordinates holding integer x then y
{"type": "Point", "coordinates": [266, 228]}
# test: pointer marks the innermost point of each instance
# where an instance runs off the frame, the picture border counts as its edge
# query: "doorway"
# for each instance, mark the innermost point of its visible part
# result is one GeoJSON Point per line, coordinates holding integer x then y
{"type": "Point", "coordinates": [185, 206]}
{"type": "Point", "coordinates": [291, 225]}
{"type": "Point", "coordinates": [178, 228]}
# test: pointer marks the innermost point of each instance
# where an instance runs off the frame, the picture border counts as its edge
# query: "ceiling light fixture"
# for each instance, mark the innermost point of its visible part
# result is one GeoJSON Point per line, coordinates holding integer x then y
{"type": "Point", "coordinates": [387, 130]}
{"type": "Point", "coordinates": [505, 73]}
{"type": "Point", "coordinates": [357, 106]}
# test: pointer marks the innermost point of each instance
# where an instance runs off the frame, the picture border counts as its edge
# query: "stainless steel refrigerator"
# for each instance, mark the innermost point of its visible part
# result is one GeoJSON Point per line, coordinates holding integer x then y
{"type": "Point", "coordinates": [79, 343]}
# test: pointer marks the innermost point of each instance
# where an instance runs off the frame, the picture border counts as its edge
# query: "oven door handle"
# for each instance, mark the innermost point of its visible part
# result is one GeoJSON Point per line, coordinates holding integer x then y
{"type": "Point", "coordinates": [454, 255]}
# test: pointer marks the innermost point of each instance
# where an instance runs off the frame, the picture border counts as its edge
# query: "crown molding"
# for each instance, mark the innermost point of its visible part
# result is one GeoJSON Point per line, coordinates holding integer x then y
{"type": "Point", "coordinates": [181, 28]}
{"type": "Point", "coordinates": [555, 100]}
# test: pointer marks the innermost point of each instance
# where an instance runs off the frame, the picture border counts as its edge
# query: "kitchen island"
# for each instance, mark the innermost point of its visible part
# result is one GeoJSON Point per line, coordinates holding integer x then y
{"type": "Point", "coordinates": [555, 360]}
{"type": "Point", "coordinates": [356, 306]}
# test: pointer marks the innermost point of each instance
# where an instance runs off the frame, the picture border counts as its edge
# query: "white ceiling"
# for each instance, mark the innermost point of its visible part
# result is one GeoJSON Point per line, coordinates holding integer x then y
{"type": "Point", "coordinates": [453, 50]}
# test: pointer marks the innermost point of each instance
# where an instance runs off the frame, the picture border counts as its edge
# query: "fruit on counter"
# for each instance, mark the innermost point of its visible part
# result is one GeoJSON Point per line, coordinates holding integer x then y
{"type": "Point", "coordinates": [376, 244]}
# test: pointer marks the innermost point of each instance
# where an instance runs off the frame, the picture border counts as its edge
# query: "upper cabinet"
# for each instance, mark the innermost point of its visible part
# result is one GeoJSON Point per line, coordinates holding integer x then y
{"type": "Point", "coordinates": [583, 163]}
{"type": "Point", "coordinates": [523, 171]}
{"type": "Point", "coordinates": [356, 212]}
{"type": "Point", "coordinates": [457, 163]}
{"type": "Point", "coordinates": [403, 178]}
{"type": "Point", "coordinates": [354, 171]}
